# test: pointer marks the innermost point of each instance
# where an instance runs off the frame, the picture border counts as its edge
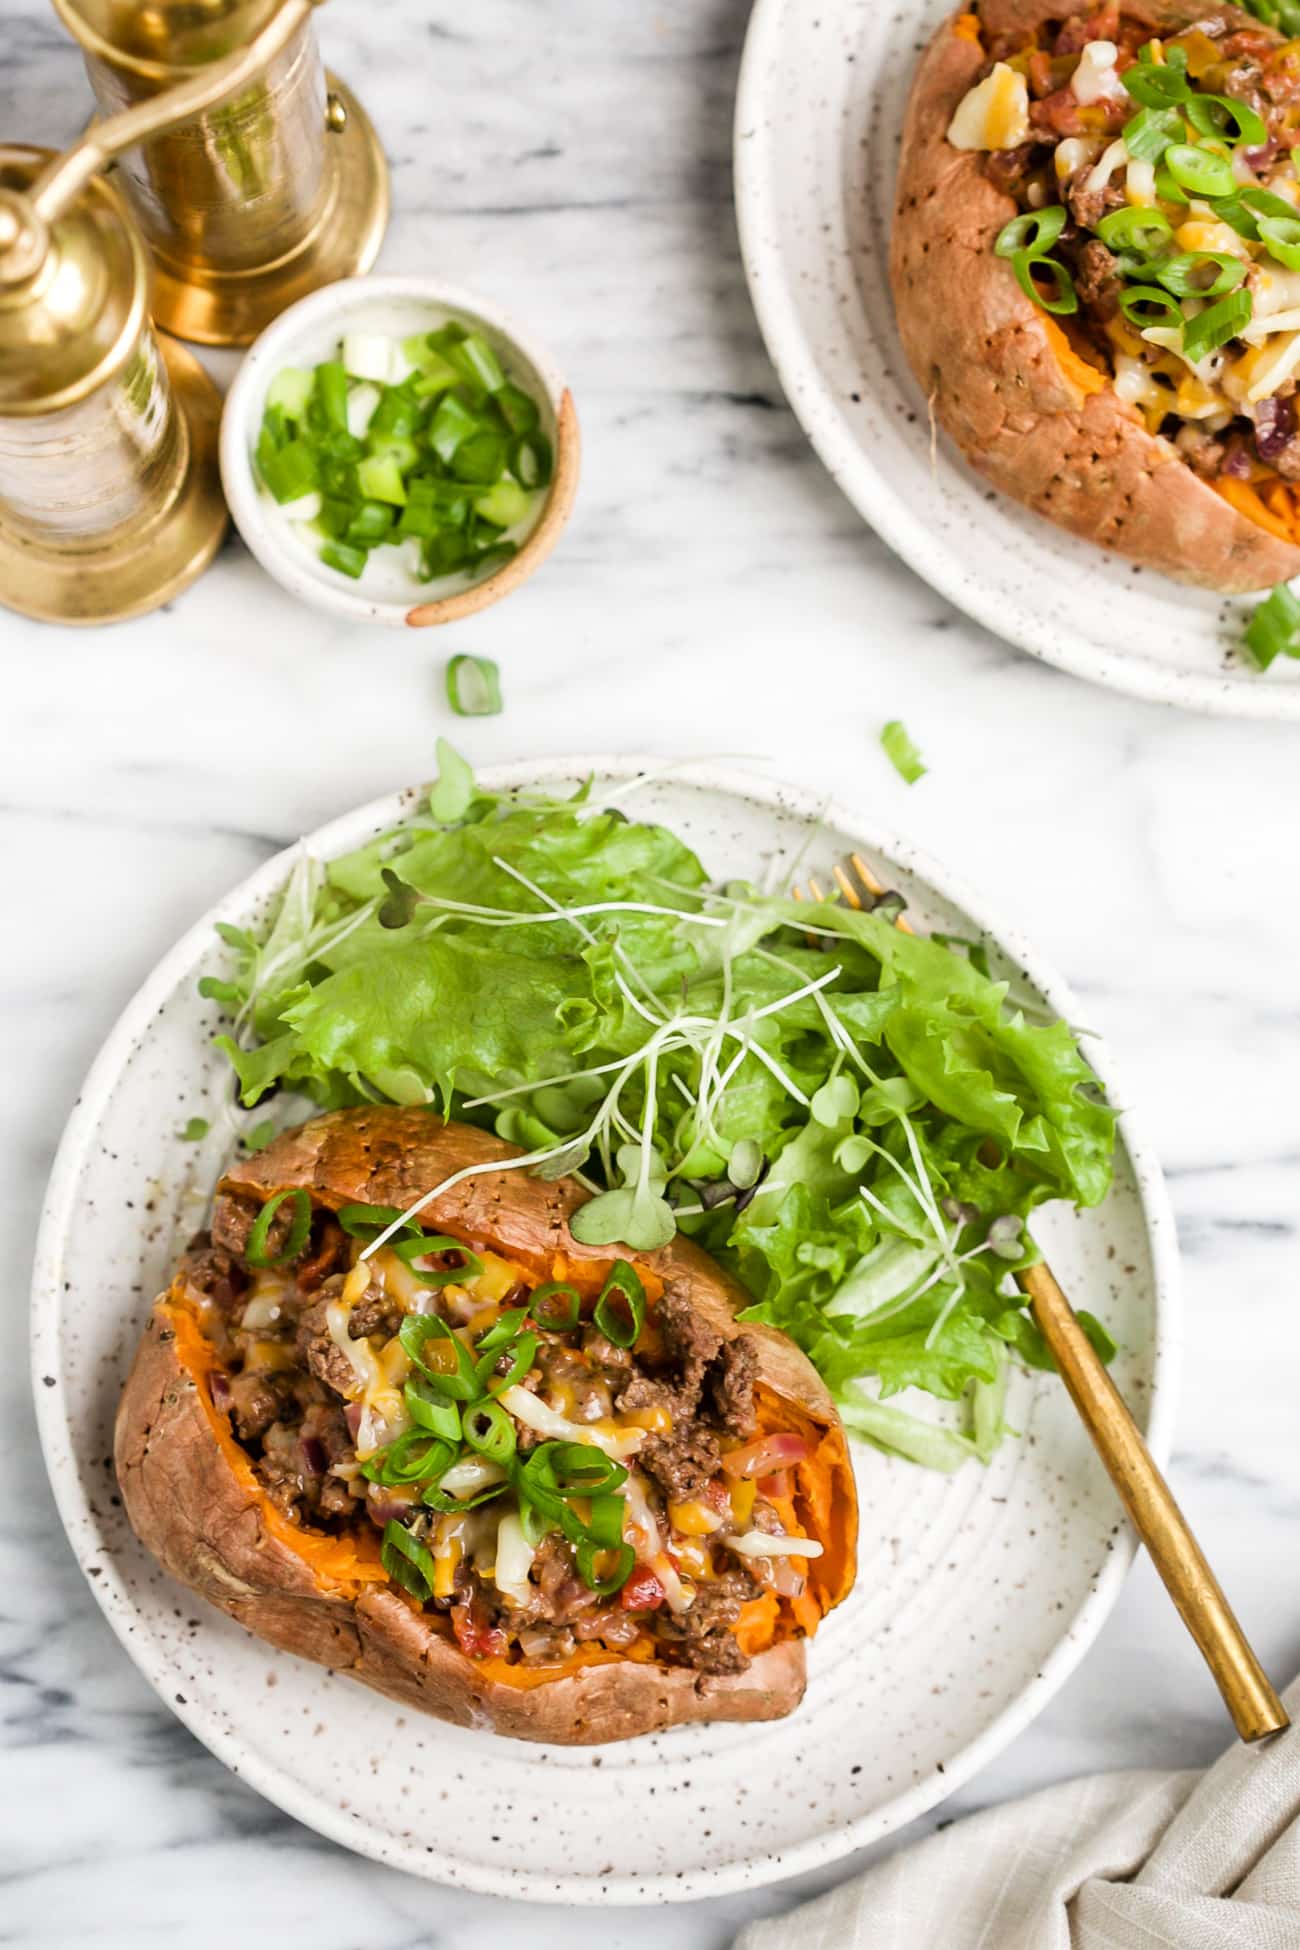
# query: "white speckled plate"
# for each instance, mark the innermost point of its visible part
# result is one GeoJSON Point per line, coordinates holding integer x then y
{"type": "Point", "coordinates": [977, 1593]}
{"type": "Point", "coordinates": [819, 113]}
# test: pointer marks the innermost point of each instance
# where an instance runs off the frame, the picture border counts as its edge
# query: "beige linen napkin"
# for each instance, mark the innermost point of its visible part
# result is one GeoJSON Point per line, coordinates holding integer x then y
{"type": "Point", "coordinates": [1133, 1861]}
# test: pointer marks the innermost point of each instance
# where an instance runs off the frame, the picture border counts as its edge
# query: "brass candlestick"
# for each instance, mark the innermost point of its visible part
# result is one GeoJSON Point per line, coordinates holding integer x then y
{"type": "Point", "coordinates": [110, 499]}
{"type": "Point", "coordinates": [250, 204]}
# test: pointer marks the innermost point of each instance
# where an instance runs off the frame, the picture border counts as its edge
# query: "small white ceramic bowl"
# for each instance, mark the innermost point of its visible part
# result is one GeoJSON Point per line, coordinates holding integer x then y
{"type": "Point", "coordinates": [310, 332]}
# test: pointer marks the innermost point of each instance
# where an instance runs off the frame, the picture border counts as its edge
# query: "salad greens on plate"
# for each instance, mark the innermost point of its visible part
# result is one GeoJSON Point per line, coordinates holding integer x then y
{"type": "Point", "coordinates": [858, 1122]}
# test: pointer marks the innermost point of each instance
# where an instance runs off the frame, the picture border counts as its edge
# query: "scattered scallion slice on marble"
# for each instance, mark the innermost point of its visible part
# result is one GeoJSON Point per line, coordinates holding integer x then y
{"type": "Point", "coordinates": [1274, 629]}
{"type": "Point", "coordinates": [901, 752]}
{"type": "Point", "coordinates": [473, 687]}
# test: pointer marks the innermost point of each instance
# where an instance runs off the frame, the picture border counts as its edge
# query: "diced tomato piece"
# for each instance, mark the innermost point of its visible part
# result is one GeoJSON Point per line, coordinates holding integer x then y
{"type": "Point", "coordinates": [476, 1638]}
{"type": "Point", "coordinates": [642, 1592]}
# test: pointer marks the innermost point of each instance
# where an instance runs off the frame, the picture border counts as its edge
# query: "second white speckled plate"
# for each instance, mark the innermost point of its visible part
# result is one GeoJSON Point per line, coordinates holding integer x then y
{"type": "Point", "coordinates": [977, 1593]}
{"type": "Point", "coordinates": [819, 115]}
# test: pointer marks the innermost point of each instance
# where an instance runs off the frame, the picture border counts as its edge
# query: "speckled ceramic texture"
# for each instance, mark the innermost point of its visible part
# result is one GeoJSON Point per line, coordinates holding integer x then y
{"type": "Point", "coordinates": [976, 1596]}
{"type": "Point", "coordinates": [819, 115]}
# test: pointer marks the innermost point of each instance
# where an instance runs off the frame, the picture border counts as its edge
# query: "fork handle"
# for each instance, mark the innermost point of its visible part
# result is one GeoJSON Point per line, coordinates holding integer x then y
{"type": "Point", "coordinates": [1255, 1708]}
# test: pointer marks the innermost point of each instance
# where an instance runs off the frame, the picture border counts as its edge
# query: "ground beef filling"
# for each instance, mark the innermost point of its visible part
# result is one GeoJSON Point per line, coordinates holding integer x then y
{"type": "Point", "coordinates": [291, 1391]}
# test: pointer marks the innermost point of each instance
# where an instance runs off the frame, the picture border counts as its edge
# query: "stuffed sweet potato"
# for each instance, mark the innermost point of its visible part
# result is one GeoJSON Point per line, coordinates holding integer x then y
{"type": "Point", "coordinates": [492, 1473]}
{"type": "Point", "coordinates": [1096, 271]}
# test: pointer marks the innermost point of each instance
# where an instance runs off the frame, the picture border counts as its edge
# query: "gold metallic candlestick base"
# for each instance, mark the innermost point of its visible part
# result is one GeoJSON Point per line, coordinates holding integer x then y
{"type": "Point", "coordinates": [231, 307]}
{"type": "Point", "coordinates": [140, 565]}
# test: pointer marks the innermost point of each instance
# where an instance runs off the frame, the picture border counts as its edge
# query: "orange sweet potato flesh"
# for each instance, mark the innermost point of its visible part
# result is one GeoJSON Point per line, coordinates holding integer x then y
{"type": "Point", "coordinates": [193, 1499]}
{"type": "Point", "coordinates": [991, 363]}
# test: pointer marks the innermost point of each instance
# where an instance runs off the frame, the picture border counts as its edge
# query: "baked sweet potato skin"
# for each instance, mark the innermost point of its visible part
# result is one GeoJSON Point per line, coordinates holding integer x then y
{"type": "Point", "coordinates": [988, 359]}
{"type": "Point", "coordinates": [203, 1517]}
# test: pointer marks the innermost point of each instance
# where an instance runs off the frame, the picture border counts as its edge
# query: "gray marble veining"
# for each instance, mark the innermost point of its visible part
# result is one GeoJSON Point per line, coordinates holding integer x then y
{"type": "Point", "coordinates": [714, 594]}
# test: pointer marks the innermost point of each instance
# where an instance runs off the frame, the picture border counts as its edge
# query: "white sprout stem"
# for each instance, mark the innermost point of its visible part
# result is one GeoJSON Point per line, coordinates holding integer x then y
{"type": "Point", "coordinates": [958, 1293]}
{"type": "Point", "coordinates": [543, 1083]}
{"type": "Point", "coordinates": [878, 1205]}
{"type": "Point", "coordinates": [502, 917]}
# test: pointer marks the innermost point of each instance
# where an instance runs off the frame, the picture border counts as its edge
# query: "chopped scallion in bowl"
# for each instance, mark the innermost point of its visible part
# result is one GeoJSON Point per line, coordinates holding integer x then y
{"type": "Point", "coordinates": [392, 450]}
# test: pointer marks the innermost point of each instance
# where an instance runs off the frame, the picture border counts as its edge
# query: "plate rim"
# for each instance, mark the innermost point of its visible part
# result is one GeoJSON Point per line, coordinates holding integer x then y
{"type": "Point", "coordinates": [812, 401]}
{"type": "Point", "coordinates": [1078, 1631]}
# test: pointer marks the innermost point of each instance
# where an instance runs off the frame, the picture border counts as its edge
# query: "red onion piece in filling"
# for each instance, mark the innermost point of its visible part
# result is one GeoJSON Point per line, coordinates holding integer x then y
{"type": "Point", "coordinates": [1274, 427]}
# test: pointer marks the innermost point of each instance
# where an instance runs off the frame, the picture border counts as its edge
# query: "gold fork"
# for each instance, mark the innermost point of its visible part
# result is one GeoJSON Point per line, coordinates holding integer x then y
{"type": "Point", "coordinates": [1255, 1708]}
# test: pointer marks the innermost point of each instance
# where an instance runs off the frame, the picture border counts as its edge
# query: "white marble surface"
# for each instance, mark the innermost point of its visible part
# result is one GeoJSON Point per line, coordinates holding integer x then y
{"type": "Point", "coordinates": [714, 594]}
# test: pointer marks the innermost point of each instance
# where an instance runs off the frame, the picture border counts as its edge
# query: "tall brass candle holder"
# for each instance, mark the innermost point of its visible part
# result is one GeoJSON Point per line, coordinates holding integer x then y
{"type": "Point", "coordinates": [110, 500]}
{"type": "Point", "coordinates": [251, 203]}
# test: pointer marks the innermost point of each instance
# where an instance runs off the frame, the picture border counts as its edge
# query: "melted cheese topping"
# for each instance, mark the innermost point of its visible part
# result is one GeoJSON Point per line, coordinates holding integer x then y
{"type": "Point", "coordinates": [995, 113]}
{"type": "Point", "coordinates": [1095, 79]}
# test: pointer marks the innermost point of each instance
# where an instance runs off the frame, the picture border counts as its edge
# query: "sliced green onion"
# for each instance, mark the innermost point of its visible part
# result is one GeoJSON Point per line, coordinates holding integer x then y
{"type": "Point", "coordinates": [1200, 170]}
{"type": "Point", "coordinates": [530, 459]}
{"type": "Point", "coordinates": [489, 1430]}
{"type": "Point", "coordinates": [1063, 298]}
{"type": "Point", "coordinates": [620, 1310]}
{"type": "Point", "coordinates": [1217, 324]}
{"type": "Point", "coordinates": [1280, 237]}
{"type": "Point", "coordinates": [468, 1265]}
{"type": "Point", "coordinates": [504, 504]}
{"type": "Point", "coordinates": [428, 1411]}
{"type": "Point", "coordinates": [370, 524]}
{"type": "Point", "coordinates": [366, 1222]}
{"type": "Point", "coordinates": [342, 556]}
{"type": "Point", "coordinates": [504, 1329]}
{"type": "Point", "coordinates": [1147, 304]}
{"type": "Point", "coordinates": [1155, 85]}
{"type": "Point", "coordinates": [1231, 121]}
{"type": "Point", "coordinates": [580, 1469]}
{"type": "Point", "coordinates": [605, 1571]}
{"type": "Point", "coordinates": [195, 1129]}
{"type": "Point", "coordinates": [460, 1384]}
{"type": "Point", "coordinates": [1167, 190]}
{"type": "Point", "coordinates": [406, 1560]}
{"type": "Point", "coordinates": [451, 424]}
{"type": "Point", "coordinates": [480, 458]}
{"type": "Point", "coordinates": [290, 471]}
{"type": "Point", "coordinates": [1133, 229]}
{"type": "Point", "coordinates": [332, 394]}
{"type": "Point", "coordinates": [522, 1352]}
{"type": "Point", "coordinates": [1149, 134]}
{"type": "Point", "coordinates": [556, 1307]}
{"type": "Point", "coordinates": [1274, 629]}
{"type": "Point", "coordinates": [397, 413]}
{"type": "Point", "coordinates": [479, 363]}
{"type": "Point", "coordinates": [414, 1457]}
{"type": "Point", "coordinates": [291, 391]}
{"type": "Point", "coordinates": [1184, 274]}
{"type": "Point", "coordinates": [1033, 230]}
{"type": "Point", "coordinates": [379, 477]}
{"type": "Point", "coordinates": [901, 752]}
{"type": "Point", "coordinates": [516, 408]}
{"type": "Point", "coordinates": [473, 687]}
{"type": "Point", "coordinates": [605, 1515]}
{"type": "Point", "coordinates": [535, 1522]}
{"type": "Point", "coordinates": [255, 1251]}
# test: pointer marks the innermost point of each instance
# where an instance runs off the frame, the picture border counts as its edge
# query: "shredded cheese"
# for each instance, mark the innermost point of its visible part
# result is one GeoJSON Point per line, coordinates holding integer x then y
{"type": "Point", "coordinates": [761, 1543]}
{"type": "Point", "coordinates": [1095, 79]}
{"type": "Point", "coordinates": [543, 1420]}
{"type": "Point", "coordinates": [995, 113]}
{"type": "Point", "coordinates": [1112, 157]}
